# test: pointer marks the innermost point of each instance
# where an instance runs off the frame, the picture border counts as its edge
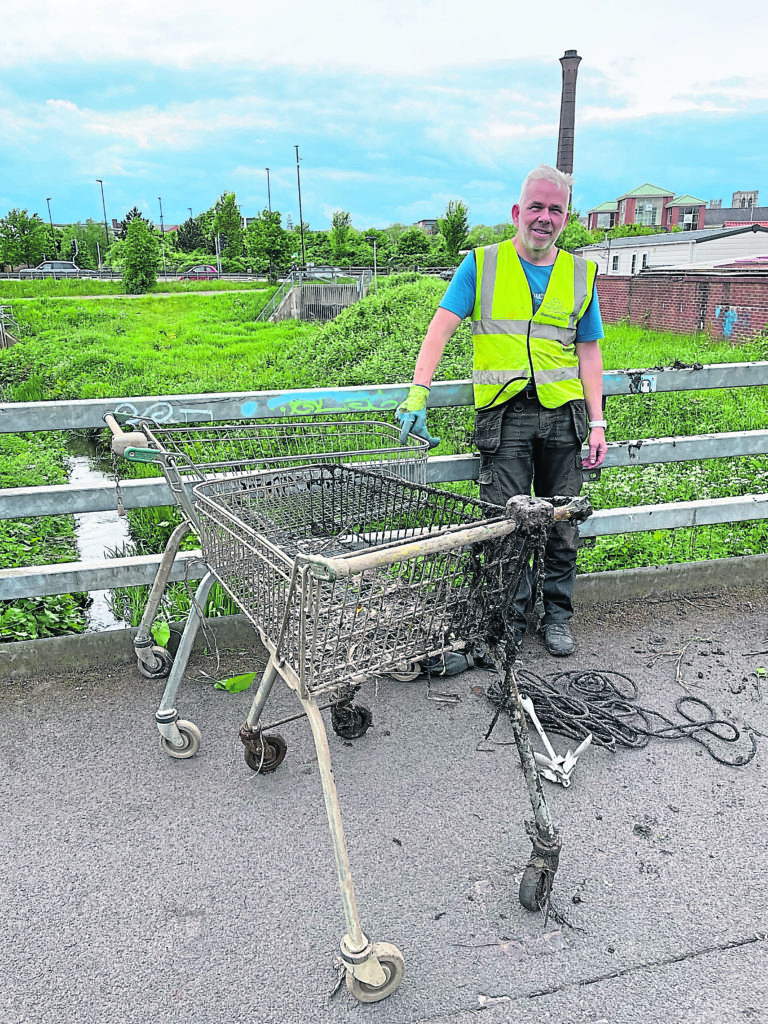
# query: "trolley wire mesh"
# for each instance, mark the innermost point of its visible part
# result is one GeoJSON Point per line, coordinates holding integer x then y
{"type": "Point", "coordinates": [207, 450]}
{"type": "Point", "coordinates": [273, 539]}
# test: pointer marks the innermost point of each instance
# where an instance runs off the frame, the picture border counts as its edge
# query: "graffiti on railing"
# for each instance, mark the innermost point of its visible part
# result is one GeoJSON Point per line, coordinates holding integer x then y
{"type": "Point", "coordinates": [302, 403]}
{"type": "Point", "coordinates": [161, 412]}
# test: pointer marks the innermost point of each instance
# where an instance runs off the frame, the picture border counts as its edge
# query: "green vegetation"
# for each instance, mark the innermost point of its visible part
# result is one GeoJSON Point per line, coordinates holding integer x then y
{"type": "Point", "coordinates": [27, 461]}
{"type": "Point", "coordinates": [141, 258]}
{"type": "Point", "coordinates": [454, 227]}
{"type": "Point", "coordinates": [11, 291]}
{"type": "Point", "coordinates": [72, 349]}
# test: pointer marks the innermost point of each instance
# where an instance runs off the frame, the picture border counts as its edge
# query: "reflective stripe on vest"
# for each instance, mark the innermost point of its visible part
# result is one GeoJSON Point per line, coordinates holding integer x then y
{"type": "Point", "coordinates": [504, 327]}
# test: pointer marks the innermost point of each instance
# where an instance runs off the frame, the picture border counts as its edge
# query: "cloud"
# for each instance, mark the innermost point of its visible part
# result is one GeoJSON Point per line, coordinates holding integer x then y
{"type": "Point", "coordinates": [412, 103]}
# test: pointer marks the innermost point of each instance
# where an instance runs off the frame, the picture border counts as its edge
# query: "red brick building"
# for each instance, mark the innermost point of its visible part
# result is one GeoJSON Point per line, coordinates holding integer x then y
{"type": "Point", "coordinates": [650, 206]}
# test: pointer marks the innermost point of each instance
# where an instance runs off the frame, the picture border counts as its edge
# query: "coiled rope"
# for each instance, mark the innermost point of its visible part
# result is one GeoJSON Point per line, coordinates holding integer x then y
{"type": "Point", "coordinates": [602, 702]}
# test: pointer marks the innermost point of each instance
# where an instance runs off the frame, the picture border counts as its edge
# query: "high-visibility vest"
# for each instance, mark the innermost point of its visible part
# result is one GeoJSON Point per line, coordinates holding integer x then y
{"type": "Point", "coordinates": [511, 343]}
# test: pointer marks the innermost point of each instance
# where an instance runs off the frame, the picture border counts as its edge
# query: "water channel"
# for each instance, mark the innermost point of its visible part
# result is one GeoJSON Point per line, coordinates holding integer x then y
{"type": "Point", "coordinates": [96, 533]}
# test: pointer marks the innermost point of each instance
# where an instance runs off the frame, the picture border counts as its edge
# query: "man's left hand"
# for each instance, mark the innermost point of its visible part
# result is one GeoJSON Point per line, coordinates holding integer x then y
{"type": "Point", "coordinates": [597, 448]}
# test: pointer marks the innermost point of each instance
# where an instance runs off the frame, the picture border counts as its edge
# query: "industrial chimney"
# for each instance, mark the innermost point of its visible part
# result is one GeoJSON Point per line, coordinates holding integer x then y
{"type": "Point", "coordinates": [570, 64]}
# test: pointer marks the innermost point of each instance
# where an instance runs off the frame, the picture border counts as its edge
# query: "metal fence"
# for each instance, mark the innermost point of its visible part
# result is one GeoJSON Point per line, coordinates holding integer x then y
{"type": "Point", "coordinates": [378, 402]}
{"type": "Point", "coordinates": [9, 329]}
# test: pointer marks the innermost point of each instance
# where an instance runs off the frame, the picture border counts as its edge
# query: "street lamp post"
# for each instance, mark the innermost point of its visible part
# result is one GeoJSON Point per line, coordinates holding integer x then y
{"type": "Point", "coordinates": [372, 238]}
{"type": "Point", "coordinates": [162, 233]}
{"type": "Point", "coordinates": [50, 219]}
{"type": "Point", "coordinates": [301, 219]}
{"type": "Point", "coordinates": [190, 212]}
{"type": "Point", "coordinates": [104, 208]}
{"type": "Point", "coordinates": [269, 194]}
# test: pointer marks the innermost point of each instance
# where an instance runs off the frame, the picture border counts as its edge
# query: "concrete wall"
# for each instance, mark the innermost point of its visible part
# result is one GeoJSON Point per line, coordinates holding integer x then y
{"type": "Point", "coordinates": [289, 308]}
{"type": "Point", "coordinates": [733, 306]}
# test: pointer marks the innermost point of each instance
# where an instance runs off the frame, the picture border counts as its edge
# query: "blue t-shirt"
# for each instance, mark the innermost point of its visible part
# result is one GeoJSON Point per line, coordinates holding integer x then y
{"type": "Point", "coordinates": [459, 297]}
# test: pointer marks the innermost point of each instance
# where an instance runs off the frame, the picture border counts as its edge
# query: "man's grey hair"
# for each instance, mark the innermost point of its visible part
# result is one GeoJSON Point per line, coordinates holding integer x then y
{"type": "Point", "coordinates": [546, 173]}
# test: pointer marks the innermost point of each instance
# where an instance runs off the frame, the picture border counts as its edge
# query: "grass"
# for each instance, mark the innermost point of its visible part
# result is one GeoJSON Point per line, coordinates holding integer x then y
{"type": "Point", "coordinates": [80, 287]}
{"type": "Point", "coordinates": [97, 349]}
{"type": "Point", "coordinates": [27, 461]}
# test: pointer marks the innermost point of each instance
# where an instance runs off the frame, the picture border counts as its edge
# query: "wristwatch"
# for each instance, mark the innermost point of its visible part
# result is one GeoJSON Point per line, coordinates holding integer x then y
{"type": "Point", "coordinates": [598, 423]}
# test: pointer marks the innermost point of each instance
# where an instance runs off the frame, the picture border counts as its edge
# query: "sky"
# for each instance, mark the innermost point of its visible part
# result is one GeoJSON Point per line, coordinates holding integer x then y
{"type": "Point", "coordinates": [397, 106]}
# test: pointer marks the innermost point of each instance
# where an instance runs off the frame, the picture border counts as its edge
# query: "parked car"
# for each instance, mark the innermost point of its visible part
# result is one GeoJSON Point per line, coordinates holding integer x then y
{"type": "Point", "coordinates": [57, 268]}
{"type": "Point", "coordinates": [201, 273]}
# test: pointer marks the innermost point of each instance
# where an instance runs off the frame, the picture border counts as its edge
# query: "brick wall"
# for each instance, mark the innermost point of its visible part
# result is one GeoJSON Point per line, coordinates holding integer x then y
{"type": "Point", "coordinates": [733, 306]}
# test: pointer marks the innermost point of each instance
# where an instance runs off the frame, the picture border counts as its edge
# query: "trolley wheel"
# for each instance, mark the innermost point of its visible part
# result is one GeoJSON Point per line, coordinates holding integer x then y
{"type": "Point", "coordinates": [535, 886]}
{"type": "Point", "coordinates": [268, 756]}
{"type": "Point", "coordinates": [393, 965]}
{"type": "Point", "coordinates": [192, 738]}
{"type": "Point", "coordinates": [351, 720]}
{"type": "Point", "coordinates": [161, 665]}
{"type": "Point", "coordinates": [406, 671]}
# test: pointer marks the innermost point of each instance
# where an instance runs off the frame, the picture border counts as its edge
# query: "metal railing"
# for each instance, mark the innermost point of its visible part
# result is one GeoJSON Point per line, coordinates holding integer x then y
{"type": "Point", "coordinates": [103, 574]}
{"type": "Point", "coordinates": [9, 329]}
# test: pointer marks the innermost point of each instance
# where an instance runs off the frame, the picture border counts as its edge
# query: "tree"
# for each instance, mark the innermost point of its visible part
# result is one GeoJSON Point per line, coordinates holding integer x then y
{"type": "Point", "coordinates": [575, 234]}
{"type": "Point", "coordinates": [454, 226]}
{"type": "Point", "coordinates": [141, 257]}
{"type": "Point", "coordinates": [267, 243]}
{"type": "Point", "coordinates": [317, 245]}
{"type": "Point", "coordinates": [131, 215]}
{"type": "Point", "coordinates": [361, 246]}
{"type": "Point", "coordinates": [313, 240]}
{"type": "Point", "coordinates": [23, 239]}
{"type": "Point", "coordinates": [190, 235]}
{"type": "Point", "coordinates": [341, 223]}
{"type": "Point", "coordinates": [412, 245]}
{"type": "Point", "coordinates": [228, 222]}
{"type": "Point", "coordinates": [485, 234]}
{"type": "Point", "coordinates": [90, 243]}
{"type": "Point", "coordinates": [626, 230]}
{"type": "Point", "coordinates": [394, 231]}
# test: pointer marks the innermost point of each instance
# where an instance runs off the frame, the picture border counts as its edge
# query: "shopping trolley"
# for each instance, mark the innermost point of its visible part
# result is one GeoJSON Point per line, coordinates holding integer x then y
{"type": "Point", "coordinates": [344, 573]}
{"type": "Point", "coordinates": [189, 454]}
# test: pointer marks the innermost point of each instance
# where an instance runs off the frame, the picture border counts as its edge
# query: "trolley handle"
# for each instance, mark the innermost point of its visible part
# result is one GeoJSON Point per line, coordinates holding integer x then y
{"type": "Point", "coordinates": [378, 557]}
{"type": "Point", "coordinates": [130, 445]}
{"type": "Point", "coordinates": [559, 509]}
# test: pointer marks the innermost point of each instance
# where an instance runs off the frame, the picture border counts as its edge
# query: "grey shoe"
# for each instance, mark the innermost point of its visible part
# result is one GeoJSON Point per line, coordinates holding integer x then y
{"type": "Point", "coordinates": [558, 639]}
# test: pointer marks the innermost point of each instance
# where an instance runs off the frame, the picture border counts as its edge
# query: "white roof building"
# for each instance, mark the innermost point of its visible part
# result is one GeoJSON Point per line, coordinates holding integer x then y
{"type": "Point", "coordinates": [683, 249]}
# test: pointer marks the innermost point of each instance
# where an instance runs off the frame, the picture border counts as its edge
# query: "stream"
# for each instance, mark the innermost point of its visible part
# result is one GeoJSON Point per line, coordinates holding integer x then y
{"type": "Point", "coordinates": [96, 532]}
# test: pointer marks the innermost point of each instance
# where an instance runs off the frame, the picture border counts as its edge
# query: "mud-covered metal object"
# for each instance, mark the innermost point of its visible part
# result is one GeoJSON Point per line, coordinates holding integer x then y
{"type": "Point", "coordinates": [348, 574]}
{"type": "Point", "coordinates": [264, 752]}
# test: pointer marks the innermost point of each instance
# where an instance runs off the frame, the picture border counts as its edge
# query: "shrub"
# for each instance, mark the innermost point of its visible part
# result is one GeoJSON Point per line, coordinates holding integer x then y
{"type": "Point", "coordinates": [141, 258]}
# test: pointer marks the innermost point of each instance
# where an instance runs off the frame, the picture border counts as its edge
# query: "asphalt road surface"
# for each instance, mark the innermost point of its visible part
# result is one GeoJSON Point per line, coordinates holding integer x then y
{"type": "Point", "coordinates": [143, 890]}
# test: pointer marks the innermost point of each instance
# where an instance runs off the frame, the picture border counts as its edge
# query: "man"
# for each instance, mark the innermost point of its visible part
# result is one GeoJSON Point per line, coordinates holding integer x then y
{"type": "Point", "coordinates": [537, 377]}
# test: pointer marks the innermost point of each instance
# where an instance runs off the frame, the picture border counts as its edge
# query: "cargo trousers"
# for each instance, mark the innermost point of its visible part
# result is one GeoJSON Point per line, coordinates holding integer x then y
{"type": "Point", "coordinates": [524, 444]}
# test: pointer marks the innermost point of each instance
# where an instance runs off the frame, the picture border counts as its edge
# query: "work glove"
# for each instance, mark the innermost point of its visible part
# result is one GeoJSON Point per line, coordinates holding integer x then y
{"type": "Point", "coordinates": [412, 416]}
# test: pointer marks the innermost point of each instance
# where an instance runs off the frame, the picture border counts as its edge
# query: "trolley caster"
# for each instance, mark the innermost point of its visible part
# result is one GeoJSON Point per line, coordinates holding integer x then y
{"type": "Point", "coordinates": [263, 752]}
{"type": "Point", "coordinates": [392, 964]}
{"type": "Point", "coordinates": [406, 671]}
{"type": "Point", "coordinates": [192, 738]}
{"type": "Point", "coordinates": [535, 887]}
{"type": "Point", "coordinates": [158, 665]}
{"type": "Point", "coordinates": [350, 720]}
{"type": "Point", "coordinates": [536, 883]}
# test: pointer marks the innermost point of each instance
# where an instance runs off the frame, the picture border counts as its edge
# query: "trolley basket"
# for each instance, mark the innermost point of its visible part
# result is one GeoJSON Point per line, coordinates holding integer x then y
{"type": "Point", "coordinates": [346, 573]}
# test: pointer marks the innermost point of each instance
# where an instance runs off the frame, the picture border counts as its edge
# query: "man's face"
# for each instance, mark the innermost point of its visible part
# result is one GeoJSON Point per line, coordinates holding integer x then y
{"type": "Point", "coordinates": [539, 217]}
